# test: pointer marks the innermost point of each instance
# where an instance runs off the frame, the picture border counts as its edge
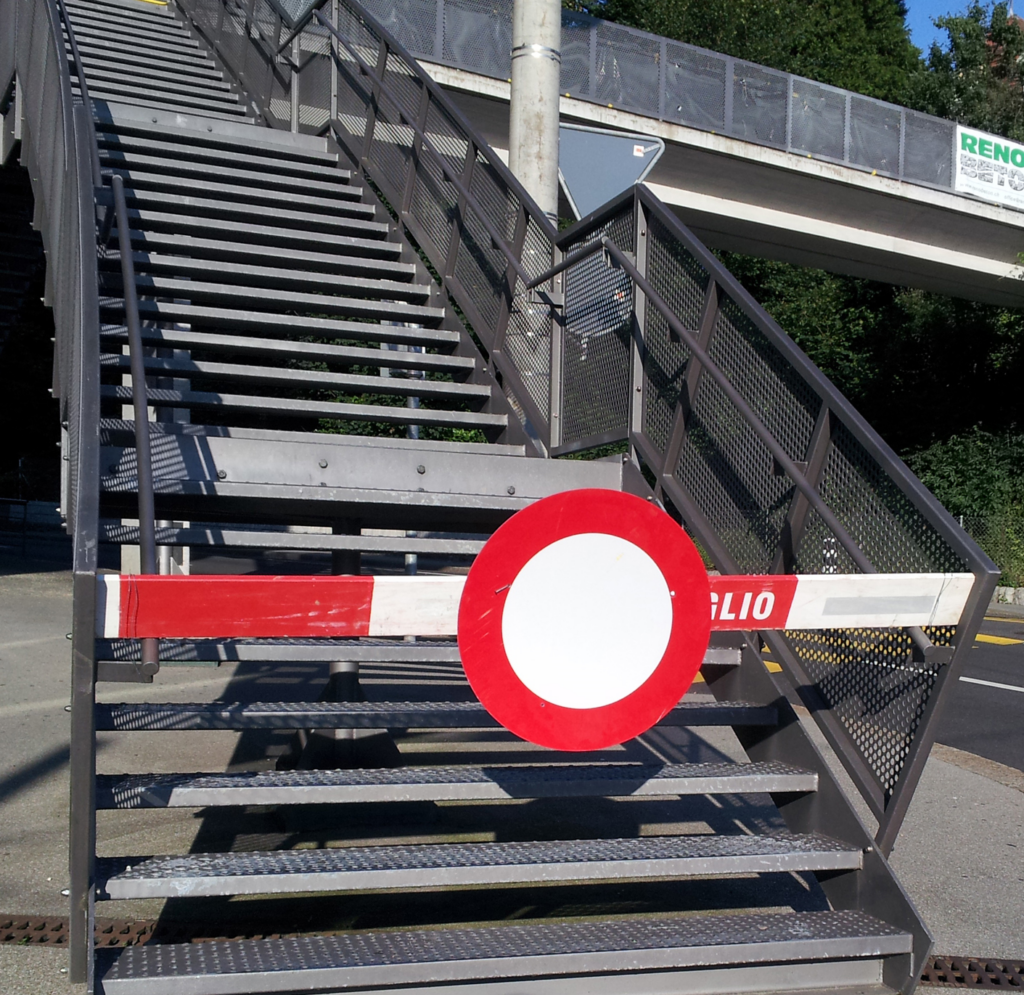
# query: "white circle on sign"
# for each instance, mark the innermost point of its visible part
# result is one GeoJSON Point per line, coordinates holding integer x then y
{"type": "Point", "coordinates": [587, 620]}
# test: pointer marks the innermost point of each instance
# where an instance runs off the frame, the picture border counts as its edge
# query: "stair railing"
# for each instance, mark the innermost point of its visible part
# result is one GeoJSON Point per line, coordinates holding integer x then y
{"type": "Point", "coordinates": [481, 233]}
{"type": "Point", "coordinates": [58, 143]}
{"type": "Point", "coordinates": [770, 469]}
{"type": "Point", "coordinates": [140, 406]}
{"type": "Point", "coordinates": [648, 342]}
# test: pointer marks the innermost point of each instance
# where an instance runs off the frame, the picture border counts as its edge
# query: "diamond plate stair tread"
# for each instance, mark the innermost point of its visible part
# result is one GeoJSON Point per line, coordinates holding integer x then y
{"type": "Point", "coordinates": [357, 650]}
{"type": "Point", "coordinates": [297, 164]}
{"type": "Point", "coordinates": [353, 383]}
{"type": "Point", "coordinates": [173, 40]}
{"type": "Point", "coordinates": [251, 539]}
{"type": "Point", "coordinates": [455, 864]}
{"type": "Point", "coordinates": [290, 324]}
{"type": "Point", "coordinates": [331, 185]}
{"type": "Point", "coordinates": [99, 48]}
{"type": "Point", "coordinates": [340, 355]}
{"type": "Point", "coordinates": [278, 650]}
{"type": "Point", "coordinates": [267, 234]}
{"type": "Point", "coordinates": [240, 202]}
{"type": "Point", "coordinates": [374, 715]}
{"type": "Point", "coordinates": [274, 300]}
{"type": "Point", "coordinates": [445, 783]}
{"type": "Point", "coordinates": [227, 104]}
{"type": "Point", "coordinates": [512, 951]}
{"type": "Point", "coordinates": [145, 27]}
{"type": "Point", "coordinates": [345, 217]}
{"type": "Point", "coordinates": [292, 277]}
{"type": "Point", "coordinates": [320, 409]}
{"type": "Point", "coordinates": [213, 89]}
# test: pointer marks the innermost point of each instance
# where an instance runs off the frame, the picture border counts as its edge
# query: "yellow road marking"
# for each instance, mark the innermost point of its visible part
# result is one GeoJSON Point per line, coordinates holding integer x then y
{"type": "Point", "coordinates": [773, 667]}
{"type": "Point", "coordinates": [984, 637]}
{"type": "Point", "coordinates": [155, 3]}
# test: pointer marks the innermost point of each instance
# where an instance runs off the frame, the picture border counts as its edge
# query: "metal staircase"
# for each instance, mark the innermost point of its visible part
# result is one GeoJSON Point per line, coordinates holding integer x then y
{"type": "Point", "coordinates": [289, 271]}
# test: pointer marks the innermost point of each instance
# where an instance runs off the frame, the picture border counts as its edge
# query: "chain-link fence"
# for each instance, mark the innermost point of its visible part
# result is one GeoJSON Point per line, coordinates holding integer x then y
{"type": "Point", "coordinates": [1002, 537]}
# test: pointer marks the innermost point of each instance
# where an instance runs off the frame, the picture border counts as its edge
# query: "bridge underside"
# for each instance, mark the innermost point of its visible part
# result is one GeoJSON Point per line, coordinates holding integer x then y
{"type": "Point", "coordinates": [748, 198]}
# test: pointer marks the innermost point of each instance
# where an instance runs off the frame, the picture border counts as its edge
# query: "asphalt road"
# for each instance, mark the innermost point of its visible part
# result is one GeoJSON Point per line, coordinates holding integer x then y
{"type": "Point", "coordinates": [984, 719]}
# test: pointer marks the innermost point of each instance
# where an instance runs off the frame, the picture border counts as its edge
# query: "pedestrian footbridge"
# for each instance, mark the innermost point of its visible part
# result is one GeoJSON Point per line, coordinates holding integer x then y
{"type": "Point", "coordinates": [756, 160]}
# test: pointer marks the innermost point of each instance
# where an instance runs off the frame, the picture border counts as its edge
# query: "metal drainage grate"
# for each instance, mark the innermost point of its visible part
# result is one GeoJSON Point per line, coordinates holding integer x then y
{"type": "Point", "coordinates": [52, 931]}
{"type": "Point", "coordinates": [971, 972]}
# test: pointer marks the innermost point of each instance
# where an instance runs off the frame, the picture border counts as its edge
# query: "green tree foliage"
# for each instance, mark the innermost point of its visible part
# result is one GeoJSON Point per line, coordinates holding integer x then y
{"type": "Point", "coordinates": [862, 45]}
{"type": "Point", "coordinates": [974, 472]}
{"type": "Point", "coordinates": [921, 367]}
{"type": "Point", "coordinates": [977, 77]}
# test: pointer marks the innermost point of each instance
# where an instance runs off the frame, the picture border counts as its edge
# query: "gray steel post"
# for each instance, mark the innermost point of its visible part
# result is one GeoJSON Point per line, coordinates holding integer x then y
{"type": "Point", "coordinates": [533, 107]}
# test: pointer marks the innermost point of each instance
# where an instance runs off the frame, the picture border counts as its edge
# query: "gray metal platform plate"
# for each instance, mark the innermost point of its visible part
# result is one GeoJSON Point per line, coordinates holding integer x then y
{"type": "Point", "coordinates": [515, 951]}
{"type": "Point", "coordinates": [462, 783]}
{"type": "Point", "coordinates": [458, 864]}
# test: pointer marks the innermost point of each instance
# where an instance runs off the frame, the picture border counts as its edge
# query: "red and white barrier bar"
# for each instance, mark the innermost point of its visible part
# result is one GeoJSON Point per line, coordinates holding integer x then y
{"type": "Point", "coordinates": [131, 607]}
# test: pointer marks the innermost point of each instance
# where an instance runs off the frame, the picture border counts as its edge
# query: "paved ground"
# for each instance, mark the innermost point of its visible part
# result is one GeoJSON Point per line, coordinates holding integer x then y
{"type": "Point", "coordinates": [960, 855]}
{"type": "Point", "coordinates": [986, 713]}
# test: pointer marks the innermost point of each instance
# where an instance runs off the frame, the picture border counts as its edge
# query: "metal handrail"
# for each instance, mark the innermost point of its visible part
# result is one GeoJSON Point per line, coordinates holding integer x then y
{"type": "Point", "coordinates": [450, 173]}
{"type": "Point", "coordinates": [83, 89]}
{"type": "Point", "coordinates": [140, 403]}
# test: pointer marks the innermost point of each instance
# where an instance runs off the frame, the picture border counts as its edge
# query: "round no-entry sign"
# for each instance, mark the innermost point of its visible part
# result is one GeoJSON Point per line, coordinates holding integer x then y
{"type": "Point", "coordinates": [584, 619]}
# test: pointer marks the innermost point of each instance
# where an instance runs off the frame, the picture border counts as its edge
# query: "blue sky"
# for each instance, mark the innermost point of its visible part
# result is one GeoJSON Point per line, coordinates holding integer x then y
{"type": "Point", "coordinates": [919, 19]}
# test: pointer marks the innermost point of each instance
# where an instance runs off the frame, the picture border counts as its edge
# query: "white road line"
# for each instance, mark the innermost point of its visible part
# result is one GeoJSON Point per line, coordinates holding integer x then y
{"type": "Point", "coordinates": [993, 684]}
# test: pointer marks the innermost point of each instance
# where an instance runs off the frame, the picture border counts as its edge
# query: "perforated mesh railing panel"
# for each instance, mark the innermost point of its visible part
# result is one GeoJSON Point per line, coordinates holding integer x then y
{"type": "Point", "coordinates": [596, 339]}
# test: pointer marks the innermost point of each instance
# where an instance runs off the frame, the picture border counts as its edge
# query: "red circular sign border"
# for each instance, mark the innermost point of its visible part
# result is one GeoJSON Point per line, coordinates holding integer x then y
{"type": "Point", "coordinates": [517, 541]}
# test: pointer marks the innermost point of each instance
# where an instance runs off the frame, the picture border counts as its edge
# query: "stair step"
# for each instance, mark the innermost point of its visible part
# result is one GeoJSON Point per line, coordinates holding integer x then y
{"type": "Point", "coordinates": [234, 114]}
{"type": "Point", "coordinates": [150, 27]}
{"type": "Point", "coordinates": [179, 42]}
{"type": "Point", "coordinates": [138, 180]}
{"type": "Point", "coordinates": [229, 108]}
{"type": "Point", "coordinates": [217, 651]}
{"type": "Point", "coordinates": [456, 865]}
{"type": "Point", "coordinates": [543, 950]}
{"type": "Point", "coordinates": [343, 216]}
{"type": "Point", "coordinates": [259, 144]}
{"type": "Point", "coordinates": [296, 408]}
{"type": "Point", "coordinates": [319, 284]}
{"type": "Point", "coordinates": [335, 355]}
{"type": "Point", "coordinates": [285, 238]}
{"type": "Point", "coordinates": [240, 254]}
{"type": "Point", "coordinates": [145, 72]}
{"type": "Point", "coordinates": [273, 300]}
{"type": "Point", "coordinates": [116, 51]}
{"type": "Point", "coordinates": [128, 88]}
{"type": "Point", "coordinates": [127, 8]}
{"type": "Point", "coordinates": [464, 783]}
{"type": "Point", "coordinates": [148, 716]}
{"type": "Point", "coordinates": [116, 150]}
{"type": "Point", "coordinates": [330, 184]}
{"type": "Point", "coordinates": [290, 324]}
{"type": "Point", "coordinates": [224, 536]}
{"type": "Point", "coordinates": [170, 84]}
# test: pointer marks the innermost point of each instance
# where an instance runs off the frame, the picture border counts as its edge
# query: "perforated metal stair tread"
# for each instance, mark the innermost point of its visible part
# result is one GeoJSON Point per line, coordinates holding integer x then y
{"type": "Point", "coordinates": [456, 864]}
{"type": "Point", "coordinates": [375, 715]}
{"type": "Point", "coordinates": [511, 951]}
{"type": "Point", "coordinates": [445, 783]}
{"type": "Point", "coordinates": [298, 408]}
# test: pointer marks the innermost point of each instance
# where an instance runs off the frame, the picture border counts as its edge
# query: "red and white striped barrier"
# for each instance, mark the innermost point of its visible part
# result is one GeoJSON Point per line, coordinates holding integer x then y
{"type": "Point", "coordinates": [583, 620]}
{"type": "Point", "coordinates": [133, 607]}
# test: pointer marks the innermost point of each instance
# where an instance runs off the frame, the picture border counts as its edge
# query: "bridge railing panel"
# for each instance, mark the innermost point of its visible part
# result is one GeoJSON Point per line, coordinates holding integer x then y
{"type": "Point", "coordinates": [633, 70]}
